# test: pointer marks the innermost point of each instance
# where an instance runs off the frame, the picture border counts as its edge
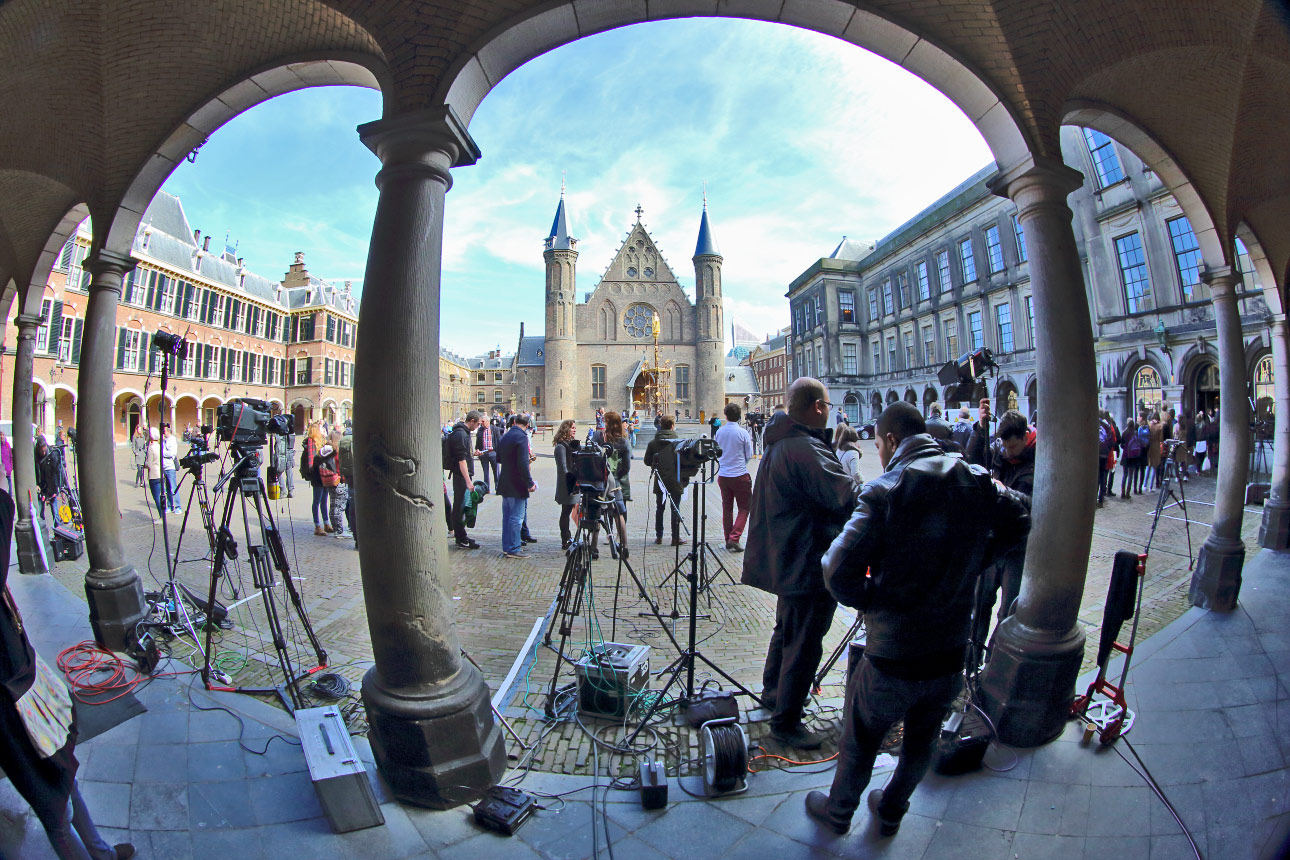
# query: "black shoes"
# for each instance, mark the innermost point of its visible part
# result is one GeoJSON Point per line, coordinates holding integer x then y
{"type": "Point", "coordinates": [123, 851]}
{"type": "Point", "coordinates": [658, 539]}
{"type": "Point", "coordinates": [886, 826]}
{"type": "Point", "coordinates": [799, 737]}
{"type": "Point", "coordinates": [467, 544]}
{"type": "Point", "coordinates": [817, 806]}
{"type": "Point", "coordinates": [677, 541]}
{"type": "Point", "coordinates": [529, 539]}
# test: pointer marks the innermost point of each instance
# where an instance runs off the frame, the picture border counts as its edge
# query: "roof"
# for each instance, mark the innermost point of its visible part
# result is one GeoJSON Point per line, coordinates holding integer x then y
{"type": "Point", "coordinates": [961, 196]}
{"type": "Point", "coordinates": [775, 343]}
{"type": "Point", "coordinates": [740, 352]}
{"type": "Point", "coordinates": [707, 243]}
{"type": "Point", "coordinates": [558, 239]}
{"type": "Point", "coordinates": [532, 351]}
{"type": "Point", "coordinates": [740, 379]}
{"type": "Point", "coordinates": [484, 362]}
{"type": "Point", "coordinates": [851, 249]}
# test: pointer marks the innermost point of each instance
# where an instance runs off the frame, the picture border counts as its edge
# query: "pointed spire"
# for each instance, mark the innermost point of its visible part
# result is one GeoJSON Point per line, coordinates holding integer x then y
{"type": "Point", "coordinates": [707, 244]}
{"type": "Point", "coordinates": [558, 239]}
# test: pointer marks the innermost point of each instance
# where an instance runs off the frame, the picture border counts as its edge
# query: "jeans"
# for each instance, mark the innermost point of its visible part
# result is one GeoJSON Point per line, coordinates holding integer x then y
{"type": "Point", "coordinates": [874, 702]}
{"type": "Point", "coordinates": [1101, 479]}
{"type": "Point", "coordinates": [321, 504]}
{"type": "Point", "coordinates": [172, 488]}
{"type": "Point", "coordinates": [488, 459]}
{"type": "Point", "coordinates": [796, 646]}
{"type": "Point", "coordinates": [75, 837]}
{"type": "Point", "coordinates": [734, 491]}
{"type": "Point", "coordinates": [661, 501]}
{"type": "Point", "coordinates": [154, 484]}
{"type": "Point", "coordinates": [513, 511]}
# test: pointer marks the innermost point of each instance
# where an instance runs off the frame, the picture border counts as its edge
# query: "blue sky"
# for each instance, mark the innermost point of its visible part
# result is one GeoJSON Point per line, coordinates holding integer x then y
{"type": "Point", "coordinates": [800, 138]}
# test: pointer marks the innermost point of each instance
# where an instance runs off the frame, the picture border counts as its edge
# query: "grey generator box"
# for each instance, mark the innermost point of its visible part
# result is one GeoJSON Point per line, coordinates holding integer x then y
{"type": "Point", "coordinates": [610, 677]}
{"type": "Point", "coordinates": [337, 772]}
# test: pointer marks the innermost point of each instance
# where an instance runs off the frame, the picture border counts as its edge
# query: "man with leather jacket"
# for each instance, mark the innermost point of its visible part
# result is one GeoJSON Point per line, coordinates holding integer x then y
{"type": "Point", "coordinates": [923, 531]}
{"type": "Point", "coordinates": [800, 501]}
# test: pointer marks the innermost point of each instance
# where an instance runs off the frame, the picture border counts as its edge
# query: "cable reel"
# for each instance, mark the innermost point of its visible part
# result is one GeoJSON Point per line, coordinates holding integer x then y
{"type": "Point", "coordinates": [723, 748]}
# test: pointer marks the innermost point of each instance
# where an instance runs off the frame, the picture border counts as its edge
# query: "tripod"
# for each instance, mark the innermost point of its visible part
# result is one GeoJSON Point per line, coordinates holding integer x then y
{"type": "Point", "coordinates": [1170, 479]}
{"type": "Point", "coordinates": [575, 584]}
{"type": "Point", "coordinates": [263, 558]}
{"type": "Point", "coordinates": [199, 493]}
{"type": "Point", "coordinates": [699, 519]}
{"type": "Point", "coordinates": [684, 663]}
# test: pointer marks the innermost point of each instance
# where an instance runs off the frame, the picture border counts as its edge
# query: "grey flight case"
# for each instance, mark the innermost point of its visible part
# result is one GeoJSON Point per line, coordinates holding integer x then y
{"type": "Point", "coordinates": [337, 773]}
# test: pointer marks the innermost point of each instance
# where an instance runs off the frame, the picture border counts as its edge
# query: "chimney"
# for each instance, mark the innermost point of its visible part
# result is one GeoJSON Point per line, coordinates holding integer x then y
{"type": "Point", "coordinates": [206, 243]}
{"type": "Point", "coordinates": [197, 236]}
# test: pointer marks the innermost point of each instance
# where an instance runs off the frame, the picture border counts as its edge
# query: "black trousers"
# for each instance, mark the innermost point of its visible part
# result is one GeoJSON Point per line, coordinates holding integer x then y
{"type": "Point", "coordinates": [661, 502]}
{"type": "Point", "coordinates": [459, 490]}
{"type": "Point", "coordinates": [874, 702]}
{"type": "Point", "coordinates": [796, 646]}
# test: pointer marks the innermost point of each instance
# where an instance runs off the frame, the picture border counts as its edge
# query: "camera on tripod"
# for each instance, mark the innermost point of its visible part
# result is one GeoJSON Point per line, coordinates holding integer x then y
{"type": "Point", "coordinates": [247, 423]}
{"type": "Point", "coordinates": [199, 453]}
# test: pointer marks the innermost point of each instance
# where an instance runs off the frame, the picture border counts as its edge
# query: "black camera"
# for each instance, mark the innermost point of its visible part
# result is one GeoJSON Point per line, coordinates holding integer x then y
{"type": "Point", "coordinates": [172, 344]}
{"type": "Point", "coordinates": [687, 457]}
{"type": "Point", "coordinates": [248, 423]}
{"type": "Point", "coordinates": [199, 452]}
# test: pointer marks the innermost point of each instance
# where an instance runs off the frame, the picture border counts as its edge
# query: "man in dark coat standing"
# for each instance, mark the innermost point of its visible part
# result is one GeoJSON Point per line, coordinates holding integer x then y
{"type": "Point", "coordinates": [921, 532]}
{"type": "Point", "coordinates": [514, 485]}
{"type": "Point", "coordinates": [462, 467]}
{"type": "Point", "coordinates": [801, 499]}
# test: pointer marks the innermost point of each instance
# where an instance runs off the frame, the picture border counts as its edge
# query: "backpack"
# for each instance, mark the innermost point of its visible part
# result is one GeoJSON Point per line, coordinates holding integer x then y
{"type": "Point", "coordinates": [326, 473]}
{"type": "Point", "coordinates": [305, 465]}
{"type": "Point", "coordinates": [345, 457]}
{"type": "Point", "coordinates": [1103, 439]}
{"type": "Point", "coordinates": [445, 450]}
{"type": "Point", "coordinates": [1132, 446]}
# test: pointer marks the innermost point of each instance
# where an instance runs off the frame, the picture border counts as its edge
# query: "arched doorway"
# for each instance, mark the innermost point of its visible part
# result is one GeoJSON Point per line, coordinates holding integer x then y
{"type": "Point", "coordinates": [1005, 397]}
{"type": "Point", "coordinates": [952, 398]}
{"type": "Point", "coordinates": [1147, 392]}
{"type": "Point", "coordinates": [186, 413]}
{"type": "Point", "coordinates": [910, 397]}
{"type": "Point", "coordinates": [1203, 391]}
{"type": "Point", "coordinates": [929, 397]}
{"type": "Point", "coordinates": [851, 408]}
{"type": "Point", "coordinates": [1032, 399]}
{"type": "Point", "coordinates": [299, 415]}
{"type": "Point", "coordinates": [643, 390]}
{"type": "Point", "coordinates": [891, 397]}
{"type": "Point", "coordinates": [127, 414]}
{"type": "Point", "coordinates": [1265, 403]}
{"type": "Point", "coordinates": [875, 405]}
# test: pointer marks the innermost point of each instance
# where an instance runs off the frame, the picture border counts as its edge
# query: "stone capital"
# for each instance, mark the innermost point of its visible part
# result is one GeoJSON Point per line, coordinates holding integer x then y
{"type": "Point", "coordinates": [1043, 180]}
{"type": "Point", "coordinates": [415, 137]}
{"type": "Point", "coordinates": [110, 264]}
{"type": "Point", "coordinates": [27, 325]}
{"type": "Point", "coordinates": [1222, 281]}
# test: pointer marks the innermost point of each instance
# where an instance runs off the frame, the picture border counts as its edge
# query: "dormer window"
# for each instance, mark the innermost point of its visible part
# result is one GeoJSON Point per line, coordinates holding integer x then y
{"type": "Point", "coordinates": [147, 237]}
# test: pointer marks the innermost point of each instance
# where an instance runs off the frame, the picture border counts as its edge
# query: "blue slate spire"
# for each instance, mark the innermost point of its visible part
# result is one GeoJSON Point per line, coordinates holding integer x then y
{"type": "Point", "coordinates": [707, 244]}
{"type": "Point", "coordinates": [559, 237]}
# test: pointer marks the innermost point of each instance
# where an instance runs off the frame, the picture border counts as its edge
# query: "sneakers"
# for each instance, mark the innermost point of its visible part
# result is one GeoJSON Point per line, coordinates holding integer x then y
{"type": "Point", "coordinates": [517, 554]}
{"type": "Point", "coordinates": [817, 806]}
{"type": "Point", "coordinates": [733, 546]}
{"type": "Point", "coordinates": [886, 826]}
{"type": "Point", "coordinates": [798, 737]}
{"type": "Point", "coordinates": [529, 539]}
{"type": "Point", "coordinates": [467, 544]}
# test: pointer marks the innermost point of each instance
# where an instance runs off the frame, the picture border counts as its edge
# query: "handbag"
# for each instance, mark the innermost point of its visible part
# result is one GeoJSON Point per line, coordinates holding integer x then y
{"type": "Point", "coordinates": [46, 710]}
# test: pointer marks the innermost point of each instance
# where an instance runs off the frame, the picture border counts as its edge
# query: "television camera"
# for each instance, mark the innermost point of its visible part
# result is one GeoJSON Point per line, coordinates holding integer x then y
{"type": "Point", "coordinates": [965, 372]}
{"type": "Point", "coordinates": [247, 423]}
{"type": "Point", "coordinates": [199, 452]}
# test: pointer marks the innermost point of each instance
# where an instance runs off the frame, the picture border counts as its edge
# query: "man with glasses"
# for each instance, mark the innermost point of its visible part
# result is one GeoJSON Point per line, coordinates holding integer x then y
{"type": "Point", "coordinates": [801, 500]}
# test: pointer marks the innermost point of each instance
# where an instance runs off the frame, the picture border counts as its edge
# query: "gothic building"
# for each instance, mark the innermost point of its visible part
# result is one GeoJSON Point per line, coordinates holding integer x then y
{"type": "Point", "coordinates": [597, 353]}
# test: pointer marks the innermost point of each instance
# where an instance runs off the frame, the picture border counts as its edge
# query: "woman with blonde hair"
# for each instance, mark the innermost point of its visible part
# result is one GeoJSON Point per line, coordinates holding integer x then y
{"type": "Point", "coordinates": [566, 498]}
{"type": "Point", "coordinates": [314, 442]}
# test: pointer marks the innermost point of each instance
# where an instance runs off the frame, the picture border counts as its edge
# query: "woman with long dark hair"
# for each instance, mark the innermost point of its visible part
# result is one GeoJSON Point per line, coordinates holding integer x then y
{"type": "Point", "coordinates": [565, 497]}
{"type": "Point", "coordinates": [619, 491]}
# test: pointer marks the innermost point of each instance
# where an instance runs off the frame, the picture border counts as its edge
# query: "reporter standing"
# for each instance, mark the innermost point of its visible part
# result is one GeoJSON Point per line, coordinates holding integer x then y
{"type": "Point", "coordinates": [564, 496]}
{"type": "Point", "coordinates": [732, 476]}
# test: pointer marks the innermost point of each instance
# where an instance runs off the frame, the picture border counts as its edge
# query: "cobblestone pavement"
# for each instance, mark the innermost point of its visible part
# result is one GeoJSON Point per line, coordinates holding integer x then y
{"type": "Point", "coordinates": [498, 600]}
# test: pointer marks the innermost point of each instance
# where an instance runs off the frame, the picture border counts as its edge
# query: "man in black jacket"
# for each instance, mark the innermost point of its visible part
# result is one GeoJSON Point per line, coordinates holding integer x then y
{"type": "Point", "coordinates": [460, 464]}
{"type": "Point", "coordinates": [514, 485]}
{"type": "Point", "coordinates": [660, 456]}
{"type": "Point", "coordinates": [977, 451]}
{"type": "Point", "coordinates": [923, 530]}
{"type": "Point", "coordinates": [800, 501]}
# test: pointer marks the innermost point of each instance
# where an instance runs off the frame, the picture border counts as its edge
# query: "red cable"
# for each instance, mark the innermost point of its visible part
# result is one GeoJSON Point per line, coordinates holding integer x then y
{"type": "Point", "coordinates": [93, 671]}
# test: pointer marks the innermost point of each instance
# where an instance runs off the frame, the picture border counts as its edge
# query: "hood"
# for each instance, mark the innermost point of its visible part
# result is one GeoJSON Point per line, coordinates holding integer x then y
{"type": "Point", "coordinates": [781, 426]}
{"type": "Point", "coordinates": [326, 451]}
{"type": "Point", "coordinates": [460, 425]}
{"type": "Point", "coordinates": [666, 434]}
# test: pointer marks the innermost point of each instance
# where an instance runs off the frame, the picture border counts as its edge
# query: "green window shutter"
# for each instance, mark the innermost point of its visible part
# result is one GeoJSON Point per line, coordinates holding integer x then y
{"type": "Point", "coordinates": [120, 348]}
{"type": "Point", "coordinates": [152, 289]}
{"type": "Point", "coordinates": [76, 340]}
{"type": "Point", "coordinates": [188, 300]}
{"type": "Point", "coordinates": [228, 313]}
{"type": "Point", "coordinates": [55, 327]}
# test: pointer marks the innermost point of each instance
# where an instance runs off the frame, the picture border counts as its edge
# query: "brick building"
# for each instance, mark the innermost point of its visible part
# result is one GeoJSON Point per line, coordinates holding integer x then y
{"type": "Point", "coordinates": [290, 343]}
{"type": "Point", "coordinates": [769, 364]}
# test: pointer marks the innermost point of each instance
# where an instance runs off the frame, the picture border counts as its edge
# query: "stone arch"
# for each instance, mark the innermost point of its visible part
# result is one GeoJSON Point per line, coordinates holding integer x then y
{"type": "Point", "coordinates": [672, 328]}
{"type": "Point", "coordinates": [891, 396]}
{"type": "Point", "coordinates": [875, 405]}
{"type": "Point", "coordinates": [911, 397]}
{"type": "Point", "coordinates": [929, 397]}
{"type": "Point", "coordinates": [187, 410]}
{"type": "Point", "coordinates": [1272, 285]}
{"type": "Point", "coordinates": [607, 326]}
{"type": "Point", "coordinates": [525, 36]}
{"type": "Point", "coordinates": [1006, 395]}
{"type": "Point", "coordinates": [127, 413]}
{"type": "Point", "coordinates": [61, 212]}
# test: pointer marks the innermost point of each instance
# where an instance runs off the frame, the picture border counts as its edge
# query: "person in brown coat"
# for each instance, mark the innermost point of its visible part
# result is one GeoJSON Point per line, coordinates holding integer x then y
{"type": "Point", "coordinates": [1155, 450]}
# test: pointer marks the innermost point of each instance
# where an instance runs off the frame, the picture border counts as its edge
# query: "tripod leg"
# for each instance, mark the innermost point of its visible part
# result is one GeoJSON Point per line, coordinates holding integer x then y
{"type": "Point", "coordinates": [273, 541]}
{"type": "Point", "coordinates": [217, 570]}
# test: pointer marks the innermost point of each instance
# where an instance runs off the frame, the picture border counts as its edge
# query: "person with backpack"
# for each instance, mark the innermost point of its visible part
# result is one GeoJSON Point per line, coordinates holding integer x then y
{"type": "Point", "coordinates": [1108, 438]}
{"type": "Point", "coordinates": [345, 463]}
{"type": "Point", "coordinates": [1134, 450]}
{"type": "Point", "coordinates": [309, 454]}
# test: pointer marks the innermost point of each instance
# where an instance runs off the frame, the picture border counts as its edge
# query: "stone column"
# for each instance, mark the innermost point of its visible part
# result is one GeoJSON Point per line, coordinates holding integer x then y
{"type": "Point", "coordinates": [1274, 533]}
{"type": "Point", "coordinates": [1216, 582]}
{"type": "Point", "coordinates": [1029, 683]}
{"type": "Point", "coordinates": [112, 586]}
{"type": "Point", "coordinates": [432, 729]}
{"type": "Point", "coordinates": [33, 548]}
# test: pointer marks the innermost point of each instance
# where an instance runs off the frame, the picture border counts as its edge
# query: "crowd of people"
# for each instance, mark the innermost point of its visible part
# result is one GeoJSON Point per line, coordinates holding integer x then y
{"type": "Point", "coordinates": [1141, 448]}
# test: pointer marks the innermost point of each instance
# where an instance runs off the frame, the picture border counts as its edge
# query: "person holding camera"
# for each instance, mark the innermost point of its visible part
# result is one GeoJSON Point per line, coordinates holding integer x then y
{"type": "Point", "coordinates": [614, 437]}
{"type": "Point", "coordinates": [667, 489]}
{"type": "Point", "coordinates": [800, 502]}
{"type": "Point", "coordinates": [909, 558]}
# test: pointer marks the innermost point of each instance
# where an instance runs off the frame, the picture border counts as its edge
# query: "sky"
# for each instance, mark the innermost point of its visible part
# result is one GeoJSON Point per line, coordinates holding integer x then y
{"type": "Point", "coordinates": [800, 139]}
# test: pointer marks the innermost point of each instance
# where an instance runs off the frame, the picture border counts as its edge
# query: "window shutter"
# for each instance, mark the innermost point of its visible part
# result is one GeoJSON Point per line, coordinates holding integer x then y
{"type": "Point", "coordinates": [291, 371]}
{"type": "Point", "coordinates": [205, 313]}
{"type": "Point", "coordinates": [76, 340]}
{"type": "Point", "coordinates": [55, 327]}
{"type": "Point", "coordinates": [153, 355]}
{"type": "Point", "coordinates": [159, 292]}
{"type": "Point", "coordinates": [188, 299]}
{"type": "Point", "coordinates": [228, 313]}
{"type": "Point", "coordinates": [120, 348]}
{"type": "Point", "coordinates": [65, 258]}
{"type": "Point", "coordinates": [152, 289]}
{"type": "Point", "coordinates": [309, 370]}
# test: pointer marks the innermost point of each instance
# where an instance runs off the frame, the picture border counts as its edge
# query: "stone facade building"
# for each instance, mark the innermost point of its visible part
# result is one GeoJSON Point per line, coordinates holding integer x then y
{"type": "Point", "coordinates": [956, 278]}
{"type": "Point", "coordinates": [454, 385]}
{"type": "Point", "coordinates": [594, 353]}
{"type": "Point", "coordinates": [290, 343]}
{"type": "Point", "coordinates": [769, 362]}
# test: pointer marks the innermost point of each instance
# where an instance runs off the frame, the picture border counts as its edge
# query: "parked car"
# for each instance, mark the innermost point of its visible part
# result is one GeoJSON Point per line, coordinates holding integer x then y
{"type": "Point", "coordinates": [867, 430]}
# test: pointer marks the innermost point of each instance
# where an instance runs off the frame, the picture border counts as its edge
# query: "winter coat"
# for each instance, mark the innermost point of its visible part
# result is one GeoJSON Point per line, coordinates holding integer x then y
{"type": "Point", "coordinates": [459, 449]}
{"type": "Point", "coordinates": [939, 430]}
{"type": "Point", "coordinates": [513, 456]}
{"type": "Point", "coordinates": [563, 463]}
{"type": "Point", "coordinates": [1156, 433]}
{"type": "Point", "coordinates": [800, 501]}
{"type": "Point", "coordinates": [978, 447]}
{"type": "Point", "coordinates": [1018, 474]}
{"type": "Point", "coordinates": [47, 477]}
{"type": "Point", "coordinates": [658, 455]}
{"type": "Point", "coordinates": [139, 445]}
{"type": "Point", "coordinates": [850, 460]}
{"type": "Point", "coordinates": [924, 529]}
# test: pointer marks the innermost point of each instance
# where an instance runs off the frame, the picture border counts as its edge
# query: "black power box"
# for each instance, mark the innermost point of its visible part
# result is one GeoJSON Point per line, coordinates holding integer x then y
{"type": "Point", "coordinates": [962, 745]}
{"type": "Point", "coordinates": [504, 809]}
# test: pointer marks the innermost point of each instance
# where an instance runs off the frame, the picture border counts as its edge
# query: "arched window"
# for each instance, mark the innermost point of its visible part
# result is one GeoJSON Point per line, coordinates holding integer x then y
{"type": "Point", "coordinates": [851, 407]}
{"type": "Point", "coordinates": [1264, 396]}
{"type": "Point", "coordinates": [1146, 387]}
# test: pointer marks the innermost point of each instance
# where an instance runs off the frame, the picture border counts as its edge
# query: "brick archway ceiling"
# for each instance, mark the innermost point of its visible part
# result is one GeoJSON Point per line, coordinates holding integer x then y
{"type": "Point", "coordinates": [90, 90]}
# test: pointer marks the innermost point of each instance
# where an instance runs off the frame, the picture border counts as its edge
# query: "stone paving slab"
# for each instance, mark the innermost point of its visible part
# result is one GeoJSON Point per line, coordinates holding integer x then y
{"type": "Point", "coordinates": [493, 630]}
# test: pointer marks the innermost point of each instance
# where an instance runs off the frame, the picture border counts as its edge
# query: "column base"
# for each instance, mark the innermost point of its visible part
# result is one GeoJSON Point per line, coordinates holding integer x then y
{"type": "Point", "coordinates": [436, 746]}
{"type": "Point", "coordinates": [34, 553]}
{"type": "Point", "coordinates": [116, 604]}
{"type": "Point", "coordinates": [1216, 582]}
{"type": "Point", "coordinates": [1029, 684]}
{"type": "Point", "coordinates": [1274, 532]}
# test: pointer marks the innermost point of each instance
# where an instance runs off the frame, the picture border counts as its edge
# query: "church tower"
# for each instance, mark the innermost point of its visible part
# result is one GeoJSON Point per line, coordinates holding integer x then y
{"type": "Point", "coordinates": [709, 338]}
{"type": "Point", "coordinates": [561, 346]}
